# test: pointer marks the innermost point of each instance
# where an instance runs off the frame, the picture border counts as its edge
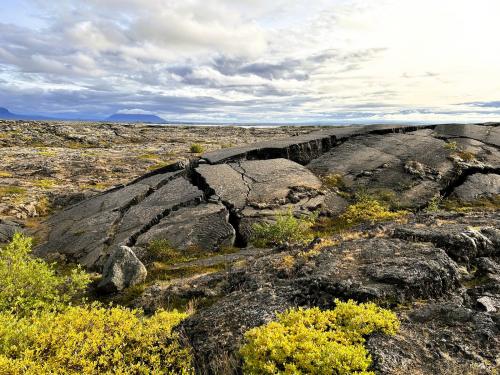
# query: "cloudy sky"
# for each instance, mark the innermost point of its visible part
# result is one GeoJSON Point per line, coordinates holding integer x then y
{"type": "Point", "coordinates": [332, 61]}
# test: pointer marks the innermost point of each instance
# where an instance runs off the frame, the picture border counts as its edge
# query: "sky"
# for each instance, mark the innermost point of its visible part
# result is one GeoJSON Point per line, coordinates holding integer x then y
{"type": "Point", "coordinates": [257, 61]}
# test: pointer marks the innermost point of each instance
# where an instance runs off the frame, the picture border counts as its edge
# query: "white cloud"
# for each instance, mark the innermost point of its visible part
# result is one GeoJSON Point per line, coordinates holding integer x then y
{"type": "Point", "coordinates": [251, 59]}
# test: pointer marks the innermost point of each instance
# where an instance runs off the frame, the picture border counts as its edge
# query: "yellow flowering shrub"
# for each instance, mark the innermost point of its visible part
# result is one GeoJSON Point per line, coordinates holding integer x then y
{"type": "Point", "coordinates": [92, 340]}
{"type": "Point", "coordinates": [311, 341]}
{"type": "Point", "coordinates": [29, 284]}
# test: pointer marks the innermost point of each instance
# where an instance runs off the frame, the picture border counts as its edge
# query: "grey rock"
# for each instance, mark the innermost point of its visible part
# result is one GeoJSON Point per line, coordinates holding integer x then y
{"type": "Point", "coordinates": [489, 304]}
{"type": "Point", "coordinates": [460, 241]}
{"type": "Point", "coordinates": [204, 227]}
{"type": "Point", "coordinates": [478, 185]}
{"type": "Point", "coordinates": [122, 270]}
{"type": "Point", "coordinates": [486, 134]}
{"type": "Point", "coordinates": [414, 166]}
{"type": "Point", "coordinates": [304, 148]}
{"type": "Point", "coordinates": [8, 229]}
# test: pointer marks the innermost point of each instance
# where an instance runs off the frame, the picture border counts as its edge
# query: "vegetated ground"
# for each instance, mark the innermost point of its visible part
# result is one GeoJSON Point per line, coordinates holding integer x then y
{"type": "Point", "coordinates": [56, 163]}
{"type": "Point", "coordinates": [407, 218]}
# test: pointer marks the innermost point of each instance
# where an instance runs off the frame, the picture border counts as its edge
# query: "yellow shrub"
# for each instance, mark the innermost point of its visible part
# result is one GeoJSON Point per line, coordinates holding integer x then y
{"type": "Point", "coordinates": [29, 284]}
{"type": "Point", "coordinates": [311, 341]}
{"type": "Point", "coordinates": [369, 210]}
{"type": "Point", "coordinates": [92, 340]}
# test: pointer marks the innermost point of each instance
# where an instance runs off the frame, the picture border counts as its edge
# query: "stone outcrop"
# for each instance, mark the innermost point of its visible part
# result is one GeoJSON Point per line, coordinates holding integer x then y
{"type": "Point", "coordinates": [439, 270]}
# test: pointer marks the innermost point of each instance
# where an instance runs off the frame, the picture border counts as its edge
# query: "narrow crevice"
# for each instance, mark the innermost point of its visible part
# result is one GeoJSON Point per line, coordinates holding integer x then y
{"type": "Point", "coordinates": [124, 209]}
{"type": "Point", "coordinates": [460, 178]}
{"type": "Point", "coordinates": [190, 203]}
{"type": "Point", "coordinates": [234, 217]}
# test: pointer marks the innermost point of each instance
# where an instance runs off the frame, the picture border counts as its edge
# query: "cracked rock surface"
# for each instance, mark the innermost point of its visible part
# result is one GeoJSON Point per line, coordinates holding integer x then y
{"type": "Point", "coordinates": [439, 270]}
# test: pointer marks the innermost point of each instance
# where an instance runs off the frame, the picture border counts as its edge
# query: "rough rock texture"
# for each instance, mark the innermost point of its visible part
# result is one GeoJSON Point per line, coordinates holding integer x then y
{"type": "Point", "coordinates": [439, 270]}
{"type": "Point", "coordinates": [8, 229]}
{"type": "Point", "coordinates": [204, 226]}
{"type": "Point", "coordinates": [122, 270]}
{"type": "Point", "coordinates": [477, 186]}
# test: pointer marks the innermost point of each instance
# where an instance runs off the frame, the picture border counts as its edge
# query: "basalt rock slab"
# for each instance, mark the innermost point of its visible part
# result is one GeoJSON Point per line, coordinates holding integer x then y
{"type": "Point", "coordinates": [84, 232]}
{"type": "Point", "coordinates": [478, 185]}
{"type": "Point", "coordinates": [415, 166]}
{"type": "Point", "coordinates": [303, 148]}
{"type": "Point", "coordinates": [486, 134]}
{"type": "Point", "coordinates": [204, 227]}
{"type": "Point", "coordinates": [257, 190]}
{"type": "Point", "coordinates": [461, 242]}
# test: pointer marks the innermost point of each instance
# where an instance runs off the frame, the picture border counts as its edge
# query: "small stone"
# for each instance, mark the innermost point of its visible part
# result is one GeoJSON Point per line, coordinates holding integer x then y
{"type": "Point", "coordinates": [488, 304]}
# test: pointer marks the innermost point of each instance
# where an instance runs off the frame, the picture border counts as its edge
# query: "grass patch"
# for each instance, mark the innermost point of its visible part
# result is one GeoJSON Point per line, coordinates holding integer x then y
{"type": "Point", "coordinates": [5, 174]}
{"type": "Point", "coordinates": [158, 166]}
{"type": "Point", "coordinates": [148, 157]}
{"type": "Point", "coordinates": [161, 271]}
{"type": "Point", "coordinates": [46, 153]}
{"type": "Point", "coordinates": [465, 155]}
{"type": "Point", "coordinates": [365, 210]}
{"type": "Point", "coordinates": [196, 148]}
{"type": "Point", "coordinates": [480, 204]}
{"type": "Point", "coordinates": [45, 183]}
{"type": "Point", "coordinates": [334, 181]}
{"type": "Point", "coordinates": [286, 229]}
{"type": "Point", "coordinates": [9, 191]}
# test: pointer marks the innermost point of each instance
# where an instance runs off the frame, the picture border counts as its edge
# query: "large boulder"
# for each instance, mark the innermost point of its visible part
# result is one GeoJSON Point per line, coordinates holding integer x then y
{"type": "Point", "coordinates": [122, 270]}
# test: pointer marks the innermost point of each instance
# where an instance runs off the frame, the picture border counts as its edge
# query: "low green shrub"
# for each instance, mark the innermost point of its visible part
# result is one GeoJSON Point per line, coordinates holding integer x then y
{"type": "Point", "coordinates": [286, 229]}
{"type": "Point", "coordinates": [311, 341]}
{"type": "Point", "coordinates": [42, 332]}
{"type": "Point", "coordinates": [196, 148]}
{"type": "Point", "coordinates": [29, 284]}
{"type": "Point", "coordinates": [93, 340]}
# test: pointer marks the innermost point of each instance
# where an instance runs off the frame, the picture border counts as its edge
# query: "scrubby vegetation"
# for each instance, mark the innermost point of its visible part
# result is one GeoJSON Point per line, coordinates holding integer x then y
{"type": "Point", "coordinates": [47, 328]}
{"type": "Point", "coordinates": [286, 229]}
{"type": "Point", "coordinates": [365, 209]}
{"type": "Point", "coordinates": [311, 341]}
{"type": "Point", "coordinates": [30, 285]}
{"type": "Point", "coordinates": [92, 340]}
{"type": "Point", "coordinates": [196, 148]}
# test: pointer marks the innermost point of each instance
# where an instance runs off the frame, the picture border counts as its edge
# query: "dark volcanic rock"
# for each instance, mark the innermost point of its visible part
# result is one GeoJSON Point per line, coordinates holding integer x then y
{"type": "Point", "coordinates": [205, 226]}
{"type": "Point", "coordinates": [414, 165]}
{"type": "Point", "coordinates": [439, 270]}
{"type": "Point", "coordinates": [460, 241]}
{"type": "Point", "coordinates": [478, 186]}
{"type": "Point", "coordinates": [486, 134]}
{"type": "Point", "coordinates": [439, 338]}
{"type": "Point", "coordinates": [122, 270]}
{"type": "Point", "coordinates": [8, 229]}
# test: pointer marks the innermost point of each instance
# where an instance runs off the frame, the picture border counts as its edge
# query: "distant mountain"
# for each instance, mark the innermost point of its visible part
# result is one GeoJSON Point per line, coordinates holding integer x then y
{"type": "Point", "coordinates": [131, 117]}
{"type": "Point", "coordinates": [5, 114]}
